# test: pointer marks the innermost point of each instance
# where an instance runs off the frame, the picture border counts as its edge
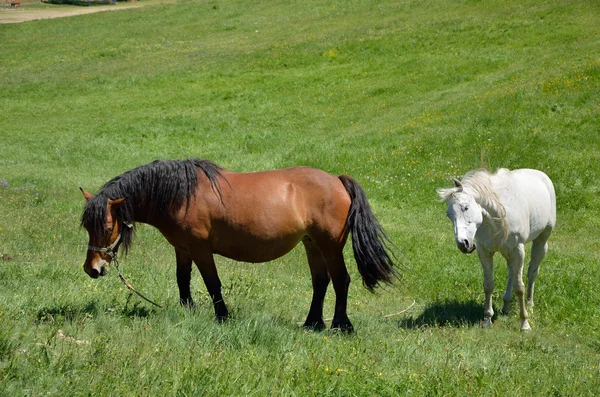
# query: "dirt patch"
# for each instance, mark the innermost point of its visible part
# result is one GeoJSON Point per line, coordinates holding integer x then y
{"type": "Point", "coordinates": [24, 13]}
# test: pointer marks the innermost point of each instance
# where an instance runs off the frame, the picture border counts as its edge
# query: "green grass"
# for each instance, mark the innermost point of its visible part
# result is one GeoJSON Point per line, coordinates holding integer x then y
{"type": "Point", "coordinates": [402, 95]}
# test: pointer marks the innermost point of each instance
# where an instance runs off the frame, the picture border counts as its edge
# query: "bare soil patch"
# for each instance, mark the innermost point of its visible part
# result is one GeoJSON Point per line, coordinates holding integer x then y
{"type": "Point", "coordinates": [24, 13]}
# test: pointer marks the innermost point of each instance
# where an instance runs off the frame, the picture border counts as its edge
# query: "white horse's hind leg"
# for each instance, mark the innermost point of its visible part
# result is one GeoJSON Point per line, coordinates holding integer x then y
{"type": "Point", "coordinates": [507, 297]}
{"type": "Point", "coordinates": [487, 263]}
{"type": "Point", "coordinates": [516, 264]}
{"type": "Point", "coordinates": [538, 252]}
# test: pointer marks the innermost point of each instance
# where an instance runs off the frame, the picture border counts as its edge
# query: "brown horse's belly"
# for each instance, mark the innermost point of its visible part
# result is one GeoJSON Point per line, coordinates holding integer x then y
{"type": "Point", "coordinates": [254, 249]}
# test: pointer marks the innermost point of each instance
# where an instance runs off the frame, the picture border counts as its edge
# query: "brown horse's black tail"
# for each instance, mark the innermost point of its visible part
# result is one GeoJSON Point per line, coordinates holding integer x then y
{"type": "Point", "coordinates": [369, 241]}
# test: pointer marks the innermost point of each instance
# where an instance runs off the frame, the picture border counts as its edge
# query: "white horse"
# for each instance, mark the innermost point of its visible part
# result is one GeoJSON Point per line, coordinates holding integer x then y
{"type": "Point", "coordinates": [503, 212]}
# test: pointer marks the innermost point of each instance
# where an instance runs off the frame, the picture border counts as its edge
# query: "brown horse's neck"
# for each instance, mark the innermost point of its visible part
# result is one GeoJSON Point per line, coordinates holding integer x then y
{"type": "Point", "coordinates": [143, 215]}
{"type": "Point", "coordinates": [148, 216]}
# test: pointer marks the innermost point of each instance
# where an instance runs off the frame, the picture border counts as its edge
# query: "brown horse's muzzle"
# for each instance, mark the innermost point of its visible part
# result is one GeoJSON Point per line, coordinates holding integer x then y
{"type": "Point", "coordinates": [100, 268]}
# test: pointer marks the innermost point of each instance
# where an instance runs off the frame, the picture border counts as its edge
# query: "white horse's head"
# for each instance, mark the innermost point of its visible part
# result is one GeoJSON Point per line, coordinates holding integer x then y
{"type": "Point", "coordinates": [466, 215]}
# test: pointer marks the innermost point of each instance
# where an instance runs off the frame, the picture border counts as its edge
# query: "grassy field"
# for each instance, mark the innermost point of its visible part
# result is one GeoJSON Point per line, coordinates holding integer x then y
{"type": "Point", "coordinates": [402, 95]}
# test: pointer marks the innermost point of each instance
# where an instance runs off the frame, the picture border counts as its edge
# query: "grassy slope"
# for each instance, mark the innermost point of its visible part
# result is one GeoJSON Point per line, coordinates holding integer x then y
{"type": "Point", "coordinates": [401, 95]}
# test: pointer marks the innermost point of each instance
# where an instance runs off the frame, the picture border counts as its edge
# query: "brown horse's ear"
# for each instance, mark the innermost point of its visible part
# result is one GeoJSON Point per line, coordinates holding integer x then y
{"type": "Point", "coordinates": [88, 196]}
{"type": "Point", "coordinates": [113, 205]}
{"type": "Point", "coordinates": [116, 203]}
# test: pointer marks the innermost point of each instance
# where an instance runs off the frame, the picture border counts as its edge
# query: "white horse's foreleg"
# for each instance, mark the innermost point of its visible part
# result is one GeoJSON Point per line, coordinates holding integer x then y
{"type": "Point", "coordinates": [516, 263]}
{"type": "Point", "coordinates": [487, 263]}
{"type": "Point", "coordinates": [507, 297]}
{"type": "Point", "coordinates": [538, 252]}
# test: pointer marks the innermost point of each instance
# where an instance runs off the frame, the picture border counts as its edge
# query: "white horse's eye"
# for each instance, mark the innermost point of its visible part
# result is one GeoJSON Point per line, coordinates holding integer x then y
{"type": "Point", "coordinates": [466, 208]}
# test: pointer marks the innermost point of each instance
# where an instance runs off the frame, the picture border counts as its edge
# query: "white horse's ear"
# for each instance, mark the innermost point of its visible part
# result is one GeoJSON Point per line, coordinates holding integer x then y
{"type": "Point", "coordinates": [457, 184]}
{"type": "Point", "coordinates": [443, 193]}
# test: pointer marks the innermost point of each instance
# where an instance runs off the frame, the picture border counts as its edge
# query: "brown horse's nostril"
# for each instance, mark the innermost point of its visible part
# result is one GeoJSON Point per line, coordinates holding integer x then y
{"type": "Point", "coordinates": [94, 273]}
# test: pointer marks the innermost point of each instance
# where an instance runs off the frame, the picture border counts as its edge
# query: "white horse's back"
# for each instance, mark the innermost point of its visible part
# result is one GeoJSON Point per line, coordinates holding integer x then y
{"type": "Point", "coordinates": [529, 200]}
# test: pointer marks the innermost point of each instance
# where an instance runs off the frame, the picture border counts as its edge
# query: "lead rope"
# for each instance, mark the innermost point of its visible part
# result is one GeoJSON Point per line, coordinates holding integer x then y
{"type": "Point", "coordinates": [129, 286]}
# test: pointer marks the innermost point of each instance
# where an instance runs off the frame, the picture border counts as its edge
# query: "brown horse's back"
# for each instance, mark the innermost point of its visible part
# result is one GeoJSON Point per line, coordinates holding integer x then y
{"type": "Point", "coordinates": [264, 215]}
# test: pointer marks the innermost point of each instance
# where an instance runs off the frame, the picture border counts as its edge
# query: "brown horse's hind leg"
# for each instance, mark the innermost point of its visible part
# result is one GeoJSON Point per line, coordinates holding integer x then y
{"type": "Point", "coordinates": [206, 264]}
{"type": "Point", "coordinates": [320, 281]}
{"type": "Point", "coordinates": [341, 281]}
{"type": "Point", "coordinates": [184, 270]}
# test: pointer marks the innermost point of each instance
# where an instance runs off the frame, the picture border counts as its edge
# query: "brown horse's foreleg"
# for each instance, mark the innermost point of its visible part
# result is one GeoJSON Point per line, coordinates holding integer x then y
{"type": "Point", "coordinates": [320, 281]}
{"type": "Point", "coordinates": [184, 275]}
{"type": "Point", "coordinates": [206, 264]}
{"type": "Point", "coordinates": [341, 282]}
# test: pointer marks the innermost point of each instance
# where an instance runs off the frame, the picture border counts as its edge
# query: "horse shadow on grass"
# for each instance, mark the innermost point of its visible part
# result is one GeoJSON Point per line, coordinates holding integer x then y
{"type": "Point", "coordinates": [137, 309]}
{"type": "Point", "coordinates": [68, 313]}
{"type": "Point", "coordinates": [446, 314]}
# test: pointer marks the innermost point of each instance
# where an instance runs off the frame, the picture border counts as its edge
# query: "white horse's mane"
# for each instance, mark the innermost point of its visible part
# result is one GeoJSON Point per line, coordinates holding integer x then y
{"type": "Point", "coordinates": [477, 183]}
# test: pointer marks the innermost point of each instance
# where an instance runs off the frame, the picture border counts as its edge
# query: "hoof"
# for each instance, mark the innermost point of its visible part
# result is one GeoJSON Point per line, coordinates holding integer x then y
{"type": "Point", "coordinates": [486, 323]}
{"type": "Point", "coordinates": [187, 302]}
{"type": "Point", "coordinates": [222, 317]}
{"type": "Point", "coordinates": [344, 327]}
{"type": "Point", "coordinates": [530, 306]}
{"type": "Point", "coordinates": [314, 325]}
{"type": "Point", "coordinates": [525, 326]}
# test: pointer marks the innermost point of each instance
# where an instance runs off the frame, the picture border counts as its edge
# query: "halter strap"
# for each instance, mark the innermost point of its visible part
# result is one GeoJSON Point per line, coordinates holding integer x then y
{"type": "Point", "coordinates": [108, 250]}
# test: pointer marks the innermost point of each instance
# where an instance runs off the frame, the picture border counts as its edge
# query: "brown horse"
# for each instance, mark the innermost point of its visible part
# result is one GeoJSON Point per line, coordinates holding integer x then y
{"type": "Point", "coordinates": [202, 210]}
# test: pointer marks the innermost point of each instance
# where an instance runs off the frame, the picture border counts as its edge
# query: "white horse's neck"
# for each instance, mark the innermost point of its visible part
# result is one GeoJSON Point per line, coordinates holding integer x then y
{"type": "Point", "coordinates": [494, 214]}
{"type": "Point", "coordinates": [490, 233]}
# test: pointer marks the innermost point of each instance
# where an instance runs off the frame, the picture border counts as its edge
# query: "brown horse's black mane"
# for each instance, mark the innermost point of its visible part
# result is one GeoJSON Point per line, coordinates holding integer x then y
{"type": "Point", "coordinates": [158, 188]}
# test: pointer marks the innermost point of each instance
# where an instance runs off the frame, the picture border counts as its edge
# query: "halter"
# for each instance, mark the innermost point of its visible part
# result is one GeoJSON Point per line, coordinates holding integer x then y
{"type": "Point", "coordinates": [112, 252]}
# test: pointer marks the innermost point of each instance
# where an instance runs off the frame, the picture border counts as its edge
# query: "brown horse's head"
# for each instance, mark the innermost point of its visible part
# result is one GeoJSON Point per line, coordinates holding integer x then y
{"type": "Point", "coordinates": [100, 221]}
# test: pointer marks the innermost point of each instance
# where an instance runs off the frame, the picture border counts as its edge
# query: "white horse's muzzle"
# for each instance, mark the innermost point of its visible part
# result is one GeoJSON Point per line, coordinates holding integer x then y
{"type": "Point", "coordinates": [465, 246]}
